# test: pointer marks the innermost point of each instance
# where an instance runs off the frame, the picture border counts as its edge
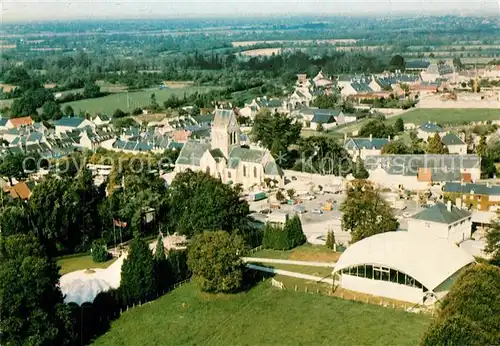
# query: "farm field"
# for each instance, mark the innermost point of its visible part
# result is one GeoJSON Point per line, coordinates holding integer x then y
{"type": "Point", "coordinates": [108, 104]}
{"type": "Point", "coordinates": [261, 52]}
{"type": "Point", "coordinates": [72, 264]}
{"type": "Point", "coordinates": [449, 116]}
{"type": "Point", "coordinates": [262, 315]}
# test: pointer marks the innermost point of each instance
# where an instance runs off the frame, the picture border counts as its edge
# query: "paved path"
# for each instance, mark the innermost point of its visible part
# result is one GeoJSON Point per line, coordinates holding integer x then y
{"type": "Point", "coordinates": [292, 274]}
{"type": "Point", "coordinates": [283, 261]}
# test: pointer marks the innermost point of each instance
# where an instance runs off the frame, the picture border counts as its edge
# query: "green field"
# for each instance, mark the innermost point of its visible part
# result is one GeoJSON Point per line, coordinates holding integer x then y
{"type": "Point", "coordinates": [449, 116]}
{"type": "Point", "coordinates": [262, 316]}
{"type": "Point", "coordinates": [306, 252]}
{"type": "Point", "coordinates": [72, 264]}
{"type": "Point", "coordinates": [110, 103]}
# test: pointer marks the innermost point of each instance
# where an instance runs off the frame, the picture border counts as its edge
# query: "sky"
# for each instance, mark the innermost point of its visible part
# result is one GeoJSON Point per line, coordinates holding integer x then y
{"type": "Point", "coordinates": [38, 10]}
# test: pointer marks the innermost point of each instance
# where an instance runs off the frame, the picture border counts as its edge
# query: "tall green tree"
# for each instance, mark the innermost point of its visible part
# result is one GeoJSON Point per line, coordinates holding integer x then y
{"type": "Point", "coordinates": [493, 242]}
{"type": "Point", "coordinates": [31, 303]}
{"type": "Point", "coordinates": [482, 148]}
{"type": "Point", "coordinates": [399, 125]}
{"type": "Point", "coordinates": [14, 220]}
{"type": "Point", "coordinates": [365, 213]}
{"type": "Point", "coordinates": [214, 259]}
{"type": "Point", "coordinates": [397, 62]}
{"type": "Point", "coordinates": [68, 111]}
{"type": "Point", "coordinates": [138, 279]}
{"type": "Point", "coordinates": [360, 171]}
{"type": "Point", "coordinates": [377, 129]}
{"type": "Point", "coordinates": [12, 166]}
{"type": "Point", "coordinates": [436, 145]}
{"type": "Point", "coordinates": [51, 111]}
{"type": "Point", "coordinates": [275, 131]}
{"type": "Point", "coordinates": [199, 202]}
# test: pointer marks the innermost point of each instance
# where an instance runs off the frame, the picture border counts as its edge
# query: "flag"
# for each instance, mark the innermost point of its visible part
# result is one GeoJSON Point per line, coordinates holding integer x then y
{"type": "Point", "coordinates": [119, 223]}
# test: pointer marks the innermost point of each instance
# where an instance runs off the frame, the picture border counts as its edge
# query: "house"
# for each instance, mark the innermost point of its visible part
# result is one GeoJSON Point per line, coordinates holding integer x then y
{"type": "Point", "coordinates": [401, 265]}
{"type": "Point", "coordinates": [454, 144]}
{"type": "Point", "coordinates": [324, 120]}
{"type": "Point", "coordinates": [301, 96]}
{"type": "Point", "coordinates": [19, 122]}
{"type": "Point", "coordinates": [223, 157]}
{"type": "Point", "coordinates": [67, 124]}
{"type": "Point", "coordinates": [481, 197]}
{"type": "Point", "coordinates": [93, 139]}
{"type": "Point", "coordinates": [356, 87]}
{"type": "Point", "coordinates": [101, 120]}
{"type": "Point", "coordinates": [363, 147]}
{"type": "Point", "coordinates": [428, 130]}
{"type": "Point", "coordinates": [414, 172]}
{"type": "Point", "coordinates": [21, 190]}
{"type": "Point", "coordinates": [444, 221]}
{"type": "Point", "coordinates": [416, 65]}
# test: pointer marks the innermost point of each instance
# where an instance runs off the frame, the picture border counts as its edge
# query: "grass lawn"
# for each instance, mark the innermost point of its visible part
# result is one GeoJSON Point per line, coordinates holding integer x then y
{"type": "Point", "coordinates": [72, 264]}
{"type": "Point", "coordinates": [306, 252]}
{"type": "Point", "coordinates": [449, 116]}
{"type": "Point", "coordinates": [262, 316]}
{"type": "Point", "coordinates": [110, 103]}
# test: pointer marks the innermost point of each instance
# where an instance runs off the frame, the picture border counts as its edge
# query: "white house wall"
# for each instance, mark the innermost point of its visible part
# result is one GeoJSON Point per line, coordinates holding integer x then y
{"type": "Point", "coordinates": [382, 288]}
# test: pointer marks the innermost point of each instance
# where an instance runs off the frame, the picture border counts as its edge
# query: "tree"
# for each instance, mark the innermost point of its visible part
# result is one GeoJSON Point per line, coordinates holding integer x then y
{"type": "Point", "coordinates": [12, 167]}
{"type": "Point", "coordinates": [91, 90]}
{"type": "Point", "coordinates": [377, 129]}
{"type": "Point", "coordinates": [399, 126]}
{"type": "Point", "coordinates": [395, 148]}
{"type": "Point", "coordinates": [119, 114]}
{"type": "Point", "coordinates": [330, 240]}
{"type": "Point", "coordinates": [458, 63]}
{"type": "Point", "coordinates": [320, 127]}
{"type": "Point", "coordinates": [14, 220]}
{"type": "Point", "coordinates": [51, 111]}
{"type": "Point", "coordinates": [493, 242]}
{"type": "Point", "coordinates": [436, 145]}
{"type": "Point", "coordinates": [280, 196]}
{"type": "Point", "coordinates": [397, 62]}
{"type": "Point", "coordinates": [199, 202]}
{"type": "Point", "coordinates": [365, 212]}
{"type": "Point", "coordinates": [68, 111]}
{"type": "Point", "coordinates": [214, 259]}
{"type": "Point", "coordinates": [360, 172]}
{"type": "Point", "coordinates": [275, 131]}
{"type": "Point", "coordinates": [99, 251]}
{"type": "Point", "coordinates": [326, 101]}
{"type": "Point", "coordinates": [161, 269]}
{"type": "Point", "coordinates": [31, 303]}
{"type": "Point", "coordinates": [295, 234]}
{"type": "Point", "coordinates": [469, 312]}
{"type": "Point", "coordinates": [290, 193]}
{"type": "Point", "coordinates": [482, 147]}
{"type": "Point", "coordinates": [137, 280]}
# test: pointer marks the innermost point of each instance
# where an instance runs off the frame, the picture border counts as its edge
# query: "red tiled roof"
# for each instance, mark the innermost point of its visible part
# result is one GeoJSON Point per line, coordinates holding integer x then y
{"type": "Point", "coordinates": [16, 122]}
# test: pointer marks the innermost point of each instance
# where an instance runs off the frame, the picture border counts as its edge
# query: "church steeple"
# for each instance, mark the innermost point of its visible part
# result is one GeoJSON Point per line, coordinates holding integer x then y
{"type": "Point", "coordinates": [225, 131]}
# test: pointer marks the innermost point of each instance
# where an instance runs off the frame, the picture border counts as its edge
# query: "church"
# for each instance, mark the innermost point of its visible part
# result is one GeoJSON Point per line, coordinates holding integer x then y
{"type": "Point", "coordinates": [226, 159]}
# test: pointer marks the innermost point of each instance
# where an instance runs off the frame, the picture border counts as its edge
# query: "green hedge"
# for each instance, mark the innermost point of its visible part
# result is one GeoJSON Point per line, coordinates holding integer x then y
{"type": "Point", "coordinates": [288, 237]}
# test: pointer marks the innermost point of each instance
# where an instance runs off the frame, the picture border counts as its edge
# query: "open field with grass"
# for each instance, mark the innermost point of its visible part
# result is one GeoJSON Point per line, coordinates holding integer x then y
{"type": "Point", "coordinates": [262, 316]}
{"type": "Point", "coordinates": [128, 101]}
{"type": "Point", "coordinates": [306, 252]}
{"type": "Point", "coordinates": [316, 271]}
{"type": "Point", "coordinates": [262, 52]}
{"type": "Point", "coordinates": [72, 264]}
{"type": "Point", "coordinates": [449, 116]}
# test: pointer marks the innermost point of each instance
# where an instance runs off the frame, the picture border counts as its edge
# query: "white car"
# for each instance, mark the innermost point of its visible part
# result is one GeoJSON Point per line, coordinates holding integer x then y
{"type": "Point", "coordinates": [406, 214]}
{"type": "Point", "coordinates": [317, 211]}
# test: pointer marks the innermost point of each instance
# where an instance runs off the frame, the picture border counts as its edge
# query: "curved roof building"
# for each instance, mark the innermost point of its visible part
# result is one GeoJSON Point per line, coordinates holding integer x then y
{"type": "Point", "coordinates": [402, 266]}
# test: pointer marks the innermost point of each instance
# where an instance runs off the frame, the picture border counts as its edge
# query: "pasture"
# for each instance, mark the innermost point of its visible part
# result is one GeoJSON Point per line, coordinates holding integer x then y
{"type": "Point", "coordinates": [449, 116]}
{"type": "Point", "coordinates": [127, 101]}
{"type": "Point", "coordinates": [262, 316]}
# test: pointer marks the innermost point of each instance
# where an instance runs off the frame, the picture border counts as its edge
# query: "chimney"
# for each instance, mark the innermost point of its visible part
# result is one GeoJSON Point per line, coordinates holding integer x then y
{"type": "Point", "coordinates": [448, 206]}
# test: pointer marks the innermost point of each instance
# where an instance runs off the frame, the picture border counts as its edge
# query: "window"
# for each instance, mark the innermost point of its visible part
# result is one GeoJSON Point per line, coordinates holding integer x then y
{"type": "Point", "coordinates": [244, 171]}
{"type": "Point", "coordinates": [255, 172]}
{"type": "Point", "coordinates": [229, 175]}
{"type": "Point", "coordinates": [208, 170]}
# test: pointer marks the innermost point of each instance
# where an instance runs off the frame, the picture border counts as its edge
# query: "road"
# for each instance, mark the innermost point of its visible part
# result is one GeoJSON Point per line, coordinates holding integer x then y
{"type": "Point", "coordinates": [292, 274]}
{"type": "Point", "coordinates": [282, 261]}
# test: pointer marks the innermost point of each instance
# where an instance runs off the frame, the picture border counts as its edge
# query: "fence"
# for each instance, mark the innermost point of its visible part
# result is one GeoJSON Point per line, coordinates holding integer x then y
{"type": "Point", "coordinates": [255, 249]}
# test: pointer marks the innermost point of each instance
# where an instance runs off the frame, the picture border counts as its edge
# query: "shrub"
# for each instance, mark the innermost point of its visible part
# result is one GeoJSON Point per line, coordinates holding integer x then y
{"type": "Point", "coordinates": [288, 237]}
{"type": "Point", "coordinates": [99, 251]}
{"type": "Point", "coordinates": [330, 240]}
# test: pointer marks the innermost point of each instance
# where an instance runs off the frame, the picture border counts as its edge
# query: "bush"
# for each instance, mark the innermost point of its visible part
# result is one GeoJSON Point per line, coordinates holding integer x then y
{"type": "Point", "coordinates": [177, 266]}
{"type": "Point", "coordinates": [99, 251]}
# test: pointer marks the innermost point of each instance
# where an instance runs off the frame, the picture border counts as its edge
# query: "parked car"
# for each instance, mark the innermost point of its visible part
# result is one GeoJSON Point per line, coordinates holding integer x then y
{"type": "Point", "coordinates": [317, 211]}
{"type": "Point", "coordinates": [265, 211]}
{"type": "Point", "coordinates": [406, 214]}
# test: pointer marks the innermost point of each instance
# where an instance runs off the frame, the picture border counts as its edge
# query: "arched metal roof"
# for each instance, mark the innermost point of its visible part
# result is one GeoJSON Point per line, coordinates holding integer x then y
{"type": "Point", "coordinates": [427, 259]}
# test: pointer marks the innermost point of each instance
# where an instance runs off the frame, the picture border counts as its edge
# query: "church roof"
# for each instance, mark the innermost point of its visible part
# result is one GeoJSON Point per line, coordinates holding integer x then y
{"type": "Point", "coordinates": [239, 154]}
{"type": "Point", "coordinates": [222, 117]}
{"type": "Point", "coordinates": [272, 168]}
{"type": "Point", "coordinates": [191, 153]}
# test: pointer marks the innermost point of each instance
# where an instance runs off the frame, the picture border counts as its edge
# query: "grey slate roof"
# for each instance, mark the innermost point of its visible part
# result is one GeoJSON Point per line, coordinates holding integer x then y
{"type": "Point", "coordinates": [70, 121]}
{"type": "Point", "coordinates": [417, 64]}
{"type": "Point", "coordinates": [272, 168]}
{"type": "Point", "coordinates": [452, 139]}
{"type": "Point", "coordinates": [3, 121]}
{"type": "Point", "coordinates": [478, 189]}
{"type": "Point", "coordinates": [431, 127]}
{"type": "Point", "coordinates": [192, 152]}
{"type": "Point", "coordinates": [323, 118]}
{"type": "Point", "coordinates": [367, 143]}
{"type": "Point", "coordinates": [439, 213]}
